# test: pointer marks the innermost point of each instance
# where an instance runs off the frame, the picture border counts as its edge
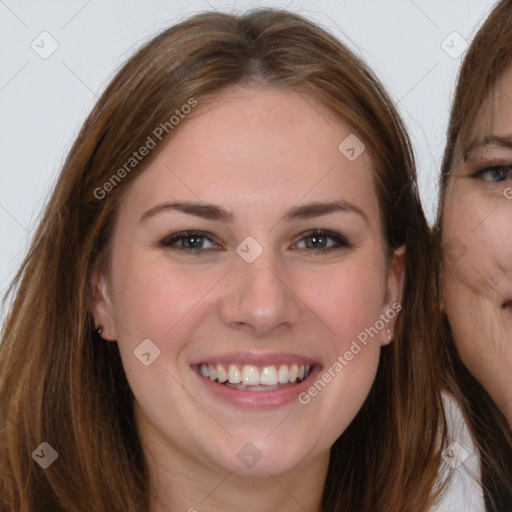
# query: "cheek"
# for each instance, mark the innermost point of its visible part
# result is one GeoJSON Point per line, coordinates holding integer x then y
{"type": "Point", "coordinates": [459, 217]}
{"type": "Point", "coordinates": [348, 300]}
{"type": "Point", "coordinates": [497, 234]}
{"type": "Point", "coordinates": [478, 278]}
{"type": "Point", "coordinates": [478, 243]}
{"type": "Point", "coordinates": [155, 300]}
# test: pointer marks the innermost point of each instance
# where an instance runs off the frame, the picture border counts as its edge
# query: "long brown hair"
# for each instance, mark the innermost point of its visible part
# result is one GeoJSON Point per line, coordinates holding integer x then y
{"type": "Point", "coordinates": [487, 58]}
{"type": "Point", "coordinates": [61, 384]}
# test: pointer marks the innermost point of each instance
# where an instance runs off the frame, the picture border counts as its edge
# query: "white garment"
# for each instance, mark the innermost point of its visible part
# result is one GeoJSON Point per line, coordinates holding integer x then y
{"type": "Point", "coordinates": [463, 492]}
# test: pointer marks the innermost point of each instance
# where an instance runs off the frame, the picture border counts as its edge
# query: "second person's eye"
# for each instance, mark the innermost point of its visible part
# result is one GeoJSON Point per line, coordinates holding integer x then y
{"type": "Point", "coordinates": [496, 173]}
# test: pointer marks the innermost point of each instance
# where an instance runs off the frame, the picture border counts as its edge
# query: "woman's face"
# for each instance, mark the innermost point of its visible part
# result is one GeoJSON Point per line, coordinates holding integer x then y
{"type": "Point", "coordinates": [250, 249]}
{"type": "Point", "coordinates": [477, 233]}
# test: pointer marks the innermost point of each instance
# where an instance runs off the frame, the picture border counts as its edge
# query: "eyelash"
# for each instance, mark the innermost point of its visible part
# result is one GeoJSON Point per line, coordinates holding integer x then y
{"type": "Point", "coordinates": [169, 241]}
{"type": "Point", "coordinates": [507, 168]}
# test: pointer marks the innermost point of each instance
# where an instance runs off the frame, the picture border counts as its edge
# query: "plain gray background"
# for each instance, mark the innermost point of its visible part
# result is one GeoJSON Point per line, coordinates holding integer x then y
{"type": "Point", "coordinates": [414, 46]}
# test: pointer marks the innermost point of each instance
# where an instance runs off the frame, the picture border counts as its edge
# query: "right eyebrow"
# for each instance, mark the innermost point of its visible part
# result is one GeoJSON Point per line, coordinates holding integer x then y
{"type": "Point", "coordinates": [204, 210]}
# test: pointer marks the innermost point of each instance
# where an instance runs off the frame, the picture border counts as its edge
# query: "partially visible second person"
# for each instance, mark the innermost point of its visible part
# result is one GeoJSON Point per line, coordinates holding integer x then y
{"type": "Point", "coordinates": [475, 225]}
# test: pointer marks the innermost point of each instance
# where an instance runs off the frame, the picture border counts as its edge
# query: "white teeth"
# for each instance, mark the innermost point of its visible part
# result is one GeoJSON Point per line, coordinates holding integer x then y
{"type": "Point", "coordinates": [268, 376]}
{"type": "Point", "coordinates": [294, 370]}
{"type": "Point", "coordinates": [234, 376]}
{"type": "Point", "coordinates": [204, 371]}
{"type": "Point", "coordinates": [222, 376]}
{"type": "Point", "coordinates": [251, 375]}
{"type": "Point", "coordinates": [212, 371]}
{"type": "Point", "coordinates": [282, 374]}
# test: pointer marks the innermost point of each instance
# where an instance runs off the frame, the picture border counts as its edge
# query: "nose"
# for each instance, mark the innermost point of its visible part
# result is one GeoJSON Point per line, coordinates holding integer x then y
{"type": "Point", "coordinates": [259, 298]}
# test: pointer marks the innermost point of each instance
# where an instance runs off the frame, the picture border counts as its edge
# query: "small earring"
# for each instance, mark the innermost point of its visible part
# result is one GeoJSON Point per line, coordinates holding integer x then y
{"type": "Point", "coordinates": [99, 329]}
{"type": "Point", "coordinates": [390, 338]}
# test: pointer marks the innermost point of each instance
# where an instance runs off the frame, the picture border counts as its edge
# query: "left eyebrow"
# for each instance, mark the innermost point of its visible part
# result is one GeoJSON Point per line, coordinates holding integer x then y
{"type": "Point", "coordinates": [213, 212]}
{"type": "Point", "coordinates": [316, 209]}
{"type": "Point", "coordinates": [499, 141]}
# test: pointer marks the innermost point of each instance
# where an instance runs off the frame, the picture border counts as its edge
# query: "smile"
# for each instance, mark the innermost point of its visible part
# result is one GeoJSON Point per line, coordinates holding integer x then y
{"type": "Point", "coordinates": [249, 377]}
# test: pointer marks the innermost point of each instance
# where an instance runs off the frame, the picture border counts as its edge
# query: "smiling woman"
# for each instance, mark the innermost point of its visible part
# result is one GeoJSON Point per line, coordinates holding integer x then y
{"type": "Point", "coordinates": [272, 241]}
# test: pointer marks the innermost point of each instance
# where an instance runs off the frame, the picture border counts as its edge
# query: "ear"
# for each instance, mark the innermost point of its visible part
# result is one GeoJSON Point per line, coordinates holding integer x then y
{"type": "Point", "coordinates": [101, 306]}
{"type": "Point", "coordinates": [394, 289]}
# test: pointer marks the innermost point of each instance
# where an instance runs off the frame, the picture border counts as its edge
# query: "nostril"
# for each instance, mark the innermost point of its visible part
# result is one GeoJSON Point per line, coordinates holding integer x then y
{"type": "Point", "coordinates": [506, 304]}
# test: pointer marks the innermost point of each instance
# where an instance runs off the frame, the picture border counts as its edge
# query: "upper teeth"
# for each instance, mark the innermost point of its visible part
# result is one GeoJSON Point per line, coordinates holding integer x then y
{"type": "Point", "coordinates": [251, 375]}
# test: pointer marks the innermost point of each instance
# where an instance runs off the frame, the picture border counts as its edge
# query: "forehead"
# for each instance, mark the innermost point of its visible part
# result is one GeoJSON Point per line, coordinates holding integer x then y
{"type": "Point", "coordinates": [495, 115]}
{"type": "Point", "coordinates": [259, 149]}
{"type": "Point", "coordinates": [241, 120]}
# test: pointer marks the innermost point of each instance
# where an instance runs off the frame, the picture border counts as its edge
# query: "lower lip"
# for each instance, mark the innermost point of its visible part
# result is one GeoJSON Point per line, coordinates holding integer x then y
{"type": "Point", "coordinates": [260, 399]}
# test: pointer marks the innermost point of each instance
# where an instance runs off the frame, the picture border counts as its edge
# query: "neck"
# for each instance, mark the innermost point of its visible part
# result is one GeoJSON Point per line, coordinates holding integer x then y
{"type": "Point", "coordinates": [220, 491]}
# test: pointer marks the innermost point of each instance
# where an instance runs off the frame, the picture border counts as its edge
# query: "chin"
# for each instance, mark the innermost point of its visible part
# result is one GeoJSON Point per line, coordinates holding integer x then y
{"type": "Point", "coordinates": [259, 459]}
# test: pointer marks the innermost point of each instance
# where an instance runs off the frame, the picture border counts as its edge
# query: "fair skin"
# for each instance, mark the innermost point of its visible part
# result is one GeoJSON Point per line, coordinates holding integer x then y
{"type": "Point", "coordinates": [258, 153]}
{"type": "Point", "coordinates": [478, 277]}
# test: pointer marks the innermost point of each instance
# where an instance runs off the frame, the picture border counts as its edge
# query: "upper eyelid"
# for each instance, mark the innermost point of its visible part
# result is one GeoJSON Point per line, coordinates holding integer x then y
{"type": "Point", "coordinates": [495, 165]}
{"type": "Point", "coordinates": [490, 162]}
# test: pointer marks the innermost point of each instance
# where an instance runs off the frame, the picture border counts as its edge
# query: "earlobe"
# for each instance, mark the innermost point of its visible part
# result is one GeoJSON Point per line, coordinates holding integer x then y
{"type": "Point", "coordinates": [101, 307]}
